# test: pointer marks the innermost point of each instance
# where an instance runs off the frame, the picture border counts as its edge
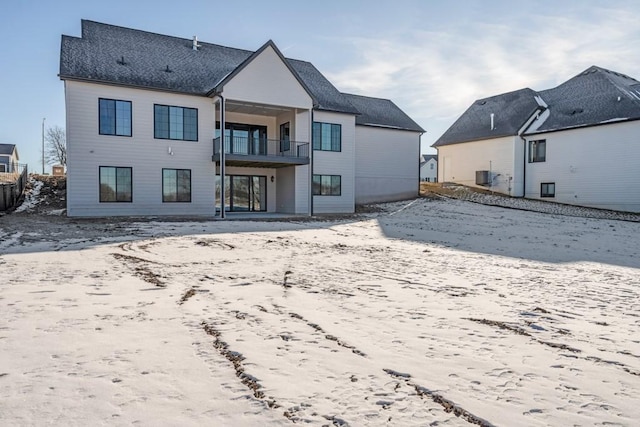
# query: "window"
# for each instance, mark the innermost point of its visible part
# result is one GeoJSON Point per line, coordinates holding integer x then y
{"type": "Point", "coordinates": [431, 166]}
{"type": "Point", "coordinates": [327, 136]}
{"type": "Point", "coordinates": [115, 184]}
{"type": "Point", "coordinates": [537, 151]}
{"type": "Point", "coordinates": [548, 189]}
{"type": "Point", "coordinates": [175, 123]}
{"type": "Point", "coordinates": [176, 185]}
{"type": "Point", "coordinates": [114, 117]}
{"type": "Point", "coordinates": [327, 185]}
{"type": "Point", "coordinates": [285, 141]}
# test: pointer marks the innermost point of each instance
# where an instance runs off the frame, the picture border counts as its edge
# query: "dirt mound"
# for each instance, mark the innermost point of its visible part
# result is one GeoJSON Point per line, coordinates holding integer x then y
{"type": "Point", "coordinates": [44, 194]}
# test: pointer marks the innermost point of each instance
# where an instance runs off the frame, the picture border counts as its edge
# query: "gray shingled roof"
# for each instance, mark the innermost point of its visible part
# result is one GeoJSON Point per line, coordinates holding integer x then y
{"type": "Point", "coordinates": [112, 54]}
{"type": "Point", "coordinates": [427, 157]}
{"type": "Point", "coordinates": [593, 97]}
{"type": "Point", "coordinates": [381, 113]}
{"type": "Point", "coordinates": [511, 110]}
{"type": "Point", "coordinates": [7, 149]}
{"type": "Point", "coordinates": [326, 95]}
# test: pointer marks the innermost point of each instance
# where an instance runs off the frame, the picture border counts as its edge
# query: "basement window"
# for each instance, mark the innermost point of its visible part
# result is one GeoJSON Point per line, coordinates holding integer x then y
{"type": "Point", "coordinates": [548, 189]}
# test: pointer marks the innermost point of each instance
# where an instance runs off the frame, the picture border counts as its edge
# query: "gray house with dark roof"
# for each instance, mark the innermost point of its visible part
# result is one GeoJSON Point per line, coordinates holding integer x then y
{"type": "Point", "coordinates": [577, 143]}
{"type": "Point", "coordinates": [8, 158]}
{"type": "Point", "coordinates": [155, 121]}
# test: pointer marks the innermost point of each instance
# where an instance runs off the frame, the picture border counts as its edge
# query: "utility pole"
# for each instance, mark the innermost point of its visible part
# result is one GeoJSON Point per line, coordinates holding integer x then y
{"type": "Point", "coordinates": [43, 145]}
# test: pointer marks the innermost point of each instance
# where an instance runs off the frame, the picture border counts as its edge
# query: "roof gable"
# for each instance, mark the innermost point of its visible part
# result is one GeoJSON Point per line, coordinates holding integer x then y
{"type": "Point", "coordinates": [270, 44]}
{"type": "Point", "coordinates": [266, 77]}
{"type": "Point", "coordinates": [8, 150]}
{"type": "Point", "coordinates": [595, 96]}
{"type": "Point", "coordinates": [380, 112]}
{"type": "Point", "coordinates": [508, 112]}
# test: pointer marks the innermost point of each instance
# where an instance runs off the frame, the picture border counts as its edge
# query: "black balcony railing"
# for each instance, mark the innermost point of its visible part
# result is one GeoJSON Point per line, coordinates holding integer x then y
{"type": "Point", "coordinates": [262, 147]}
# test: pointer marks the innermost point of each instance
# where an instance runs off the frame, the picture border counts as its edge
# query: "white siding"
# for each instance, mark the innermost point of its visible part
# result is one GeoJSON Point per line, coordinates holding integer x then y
{"type": "Point", "coordinates": [267, 80]}
{"type": "Point", "coordinates": [285, 190]}
{"type": "Point", "coordinates": [337, 163]}
{"type": "Point", "coordinates": [594, 166]}
{"type": "Point", "coordinates": [302, 189]}
{"type": "Point", "coordinates": [87, 150]}
{"type": "Point", "coordinates": [502, 156]}
{"type": "Point", "coordinates": [386, 166]}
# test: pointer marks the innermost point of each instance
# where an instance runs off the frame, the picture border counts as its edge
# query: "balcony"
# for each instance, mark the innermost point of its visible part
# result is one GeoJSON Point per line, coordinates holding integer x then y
{"type": "Point", "coordinates": [261, 153]}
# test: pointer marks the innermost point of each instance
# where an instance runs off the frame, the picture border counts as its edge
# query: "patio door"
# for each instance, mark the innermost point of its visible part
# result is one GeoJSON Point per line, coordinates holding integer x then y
{"type": "Point", "coordinates": [244, 139]}
{"type": "Point", "coordinates": [243, 193]}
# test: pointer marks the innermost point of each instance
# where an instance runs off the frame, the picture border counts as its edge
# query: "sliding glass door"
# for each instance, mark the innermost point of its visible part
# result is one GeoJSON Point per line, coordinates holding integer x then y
{"type": "Point", "coordinates": [243, 193]}
{"type": "Point", "coordinates": [244, 139]}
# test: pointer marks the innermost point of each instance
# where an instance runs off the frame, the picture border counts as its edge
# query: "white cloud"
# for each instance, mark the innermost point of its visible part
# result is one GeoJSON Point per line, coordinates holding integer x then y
{"type": "Point", "coordinates": [435, 75]}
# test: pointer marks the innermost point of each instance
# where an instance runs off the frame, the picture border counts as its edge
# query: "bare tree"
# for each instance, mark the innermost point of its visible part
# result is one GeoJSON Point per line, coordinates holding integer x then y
{"type": "Point", "coordinates": [56, 150]}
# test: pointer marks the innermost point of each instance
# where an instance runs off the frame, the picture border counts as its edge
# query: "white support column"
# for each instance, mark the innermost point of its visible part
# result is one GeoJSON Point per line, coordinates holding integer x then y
{"type": "Point", "coordinates": [222, 157]}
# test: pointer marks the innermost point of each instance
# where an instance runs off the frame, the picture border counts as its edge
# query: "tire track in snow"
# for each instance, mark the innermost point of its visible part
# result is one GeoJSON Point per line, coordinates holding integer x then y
{"type": "Point", "coordinates": [448, 405]}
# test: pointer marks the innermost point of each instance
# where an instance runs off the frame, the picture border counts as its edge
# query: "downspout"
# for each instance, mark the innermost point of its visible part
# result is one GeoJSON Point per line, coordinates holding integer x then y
{"type": "Point", "coordinates": [311, 166]}
{"type": "Point", "coordinates": [524, 166]}
{"type": "Point", "coordinates": [222, 155]}
{"type": "Point", "coordinates": [524, 156]}
{"type": "Point", "coordinates": [419, 155]}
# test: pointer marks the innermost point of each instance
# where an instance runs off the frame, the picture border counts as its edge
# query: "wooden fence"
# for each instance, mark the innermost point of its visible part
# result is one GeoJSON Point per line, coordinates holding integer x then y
{"type": "Point", "coordinates": [12, 186]}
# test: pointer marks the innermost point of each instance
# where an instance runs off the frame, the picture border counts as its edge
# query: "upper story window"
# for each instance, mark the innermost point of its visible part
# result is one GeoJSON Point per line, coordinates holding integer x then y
{"type": "Point", "coordinates": [327, 136]}
{"type": "Point", "coordinates": [175, 123]}
{"type": "Point", "coordinates": [114, 117]}
{"type": "Point", "coordinates": [537, 151]}
{"type": "Point", "coordinates": [431, 166]}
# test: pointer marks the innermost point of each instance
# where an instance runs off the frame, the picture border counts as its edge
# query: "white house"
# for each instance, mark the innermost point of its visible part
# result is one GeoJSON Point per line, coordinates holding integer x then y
{"type": "Point", "coordinates": [8, 158]}
{"type": "Point", "coordinates": [577, 143]}
{"type": "Point", "coordinates": [154, 121]}
{"type": "Point", "coordinates": [429, 168]}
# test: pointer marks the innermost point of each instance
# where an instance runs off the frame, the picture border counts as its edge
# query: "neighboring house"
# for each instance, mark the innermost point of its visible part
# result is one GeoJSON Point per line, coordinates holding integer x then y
{"type": "Point", "coordinates": [8, 158]}
{"type": "Point", "coordinates": [144, 119]}
{"type": "Point", "coordinates": [577, 143]}
{"type": "Point", "coordinates": [429, 168]}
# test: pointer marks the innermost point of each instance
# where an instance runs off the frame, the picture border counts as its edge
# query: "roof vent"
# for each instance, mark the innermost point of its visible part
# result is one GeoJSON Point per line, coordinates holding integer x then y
{"type": "Point", "coordinates": [121, 61]}
{"type": "Point", "coordinates": [492, 121]}
{"type": "Point", "coordinates": [195, 43]}
{"type": "Point", "coordinates": [168, 70]}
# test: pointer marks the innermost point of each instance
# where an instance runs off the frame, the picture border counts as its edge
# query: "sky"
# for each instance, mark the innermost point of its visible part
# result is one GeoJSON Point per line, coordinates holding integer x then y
{"type": "Point", "coordinates": [431, 58]}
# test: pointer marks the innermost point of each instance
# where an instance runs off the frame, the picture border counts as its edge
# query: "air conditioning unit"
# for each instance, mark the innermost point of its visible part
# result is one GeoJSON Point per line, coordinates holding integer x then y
{"type": "Point", "coordinates": [483, 178]}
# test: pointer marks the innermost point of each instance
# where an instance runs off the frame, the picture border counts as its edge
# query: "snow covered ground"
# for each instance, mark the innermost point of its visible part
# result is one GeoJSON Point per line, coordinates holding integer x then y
{"type": "Point", "coordinates": [431, 312]}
